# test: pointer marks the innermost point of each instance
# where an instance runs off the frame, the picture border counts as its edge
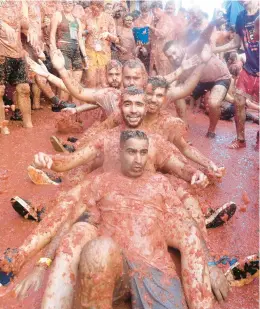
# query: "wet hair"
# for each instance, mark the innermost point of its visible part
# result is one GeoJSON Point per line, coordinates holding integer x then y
{"type": "Point", "coordinates": [230, 28]}
{"type": "Point", "coordinates": [134, 64]}
{"type": "Point", "coordinates": [156, 5]}
{"type": "Point", "coordinates": [114, 64]}
{"type": "Point", "coordinates": [158, 82]}
{"type": "Point", "coordinates": [135, 14]}
{"type": "Point", "coordinates": [126, 135]}
{"type": "Point", "coordinates": [233, 56]}
{"type": "Point", "coordinates": [128, 15]}
{"type": "Point", "coordinates": [132, 90]}
{"type": "Point", "coordinates": [234, 70]}
{"type": "Point", "coordinates": [98, 3]}
{"type": "Point", "coordinates": [167, 45]}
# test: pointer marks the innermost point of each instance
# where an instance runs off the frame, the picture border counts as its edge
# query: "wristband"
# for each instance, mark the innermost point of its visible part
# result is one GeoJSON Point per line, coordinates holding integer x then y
{"type": "Point", "coordinates": [212, 263]}
{"type": "Point", "coordinates": [44, 261]}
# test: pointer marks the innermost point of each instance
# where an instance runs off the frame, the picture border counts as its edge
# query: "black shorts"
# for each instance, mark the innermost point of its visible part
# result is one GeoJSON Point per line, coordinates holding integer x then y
{"type": "Point", "coordinates": [13, 71]}
{"type": "Point", "coordinates": [202, 88]}
{"type": "Point", "coordinates": [71, 53]}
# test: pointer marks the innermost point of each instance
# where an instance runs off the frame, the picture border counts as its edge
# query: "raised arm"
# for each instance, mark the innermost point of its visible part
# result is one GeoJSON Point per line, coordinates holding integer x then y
{"type": "Point", "coordinates": [233, 44]}
{"type": "Point", "coordinates": [187, 64]}
{"type": "Point", "coordinates": [184, 89]}
{"type": "Point", "coordinates": [79, 92]}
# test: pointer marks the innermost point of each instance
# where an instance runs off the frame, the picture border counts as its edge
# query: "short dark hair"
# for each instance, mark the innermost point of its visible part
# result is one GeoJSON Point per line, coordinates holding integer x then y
{"type": "Point", "coordinates": [167, 45]}
{"type": "Point", "coordinates": [156, 5]}
{"type": "Point", "coordinates": [98, 3]}
{"type": "Point", "coordinates": [126, 135]}
{"type": "Point", "coordinates": [132, 90]}
{"type": "Point", "coordinates": [114, 64]}
{"type": "Point", "coordinates": [158, 82]}
{"type": "Point", "coordinates": [134, 64]}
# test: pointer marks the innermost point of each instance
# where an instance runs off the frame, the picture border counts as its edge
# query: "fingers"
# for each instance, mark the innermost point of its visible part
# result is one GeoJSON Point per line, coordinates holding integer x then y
{"type": "Point", "coordinates": [42, 160]}
{"type": "Point", "coordinates": [224, 291]}
{"type": "Point", "coordinates": [22, 289]}
{"type": "Point", "coordinates": [218, 295]}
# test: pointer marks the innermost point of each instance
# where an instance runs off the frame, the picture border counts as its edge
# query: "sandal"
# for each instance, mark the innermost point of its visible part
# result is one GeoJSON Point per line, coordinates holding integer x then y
{"type": "Point", "coordinates": [56, 144]}
{"type": "Point", "coordinates": [211, 135]}
{"type": "Point", "coordinates": [236, 144]}
{"type": "Point", "coordinates": [25, 209]}
{"type": "Point", "coordinates": [39, 177]}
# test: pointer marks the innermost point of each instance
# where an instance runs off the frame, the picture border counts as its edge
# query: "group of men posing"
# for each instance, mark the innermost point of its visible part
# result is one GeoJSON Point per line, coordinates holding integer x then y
{"type": "Point", "coordinates": [109, 235]}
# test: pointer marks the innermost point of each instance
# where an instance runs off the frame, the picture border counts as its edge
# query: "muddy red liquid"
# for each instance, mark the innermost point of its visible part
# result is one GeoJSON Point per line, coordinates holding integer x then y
{"type": "Point", "coordinates": [239, 237]}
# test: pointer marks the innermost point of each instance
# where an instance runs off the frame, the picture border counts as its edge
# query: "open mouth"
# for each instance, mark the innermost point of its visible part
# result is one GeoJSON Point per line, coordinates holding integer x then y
{"type": "Point", "coordinates": [133, 119]}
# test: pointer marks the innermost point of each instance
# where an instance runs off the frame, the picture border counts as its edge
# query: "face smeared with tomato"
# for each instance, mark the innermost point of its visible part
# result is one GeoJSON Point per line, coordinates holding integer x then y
{"type": "Point", "coordinates": [133, 109]}
{"type": "Point", "coordinates": [133, 157]}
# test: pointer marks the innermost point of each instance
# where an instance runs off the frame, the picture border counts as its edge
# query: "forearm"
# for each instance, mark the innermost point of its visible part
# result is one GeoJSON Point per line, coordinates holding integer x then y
{"type": "Point", "coordinates": [197, 46]}
{"type": "Point", "coordinates": [113, 38]}
{"type": "Point", "coordinates": [184, 89]}
{"type": "Point", "coordinates": [66, 162]}
{"type": "Point", "coordinates": [86, 107]}
{"type": "Point", "coordinates": [82, 47]}
{"type": "Point", "coordinates": [170, 78]}
{"type": "Point", "coordinates": [181, 169]}
{"type": "Point", "coordinates": [196, 156]}
{"type": "Point", "coordinates": [47, 228]}
{"type": "Point", "coordinates": [234, 44]}
{"type": "Point", "coordinates": [75, 88]}
{"type": "Point", "coordinates": [57, 82]}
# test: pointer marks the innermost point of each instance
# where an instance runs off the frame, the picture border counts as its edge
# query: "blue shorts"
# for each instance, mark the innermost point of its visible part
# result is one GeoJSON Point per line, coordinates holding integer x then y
{"type": "Point", "coordinates": [154, 290]}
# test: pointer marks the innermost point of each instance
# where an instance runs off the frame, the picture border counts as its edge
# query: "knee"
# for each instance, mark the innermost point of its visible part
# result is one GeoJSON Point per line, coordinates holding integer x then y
{"type": "Point", "coordinates": [214, 103]}
{"type": "Point", "coordinates": [23, 89]}
{"type": "Point", "coordinates": [240, 101]}
{"type": "Point", "coordinates": [97, 254]}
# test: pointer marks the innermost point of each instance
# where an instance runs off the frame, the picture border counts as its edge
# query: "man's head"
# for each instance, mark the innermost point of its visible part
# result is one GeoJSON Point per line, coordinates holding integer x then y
{"type": "Point", "coordinates": [114, 74]}
{"type": "Point", "coordinates": [133, 152]}
{"type": "Point", "coordinates": [109, 8]}
{"type": "Point", "coordinates": [170, 8]}
{"type": "Point", "coordinates": [144, 7]}
{"type": "Point", "coordinates": [157, 9]}
{"type": "Point", "coordinates": [248, 4]}
{"type": "Point", "coordinates": [68, 5]}
{"type": "Point", "coordinates": [134, 74]}
{"type": "Point", "coordinates": [128, 20]}
{"type": "Point", "coordinates": [117, 11]}
{"type": "Point", "coordinates": [97, 7]}
{"type": "Point", "coordinates": [155, 94]}
{"type": "Point", "coordinates": [174, 52]}
{"type": "Point", "coordinates": [233, 57]}
{"type": "Point", "coordinates": [133, 106]}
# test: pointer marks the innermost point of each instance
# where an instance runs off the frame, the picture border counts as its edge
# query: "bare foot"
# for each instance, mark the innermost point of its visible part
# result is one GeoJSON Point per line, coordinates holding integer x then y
{"type": "Point", "coordinates": [5, 131]}
{"type": "Point", "coordinates": [37, 107]}
{"type": "Point", "coordinates": [28, 125]}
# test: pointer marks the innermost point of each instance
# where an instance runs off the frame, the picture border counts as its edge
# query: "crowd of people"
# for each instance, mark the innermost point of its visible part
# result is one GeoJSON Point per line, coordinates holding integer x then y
{"type": "Point", "coordinates": [126, 73]}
